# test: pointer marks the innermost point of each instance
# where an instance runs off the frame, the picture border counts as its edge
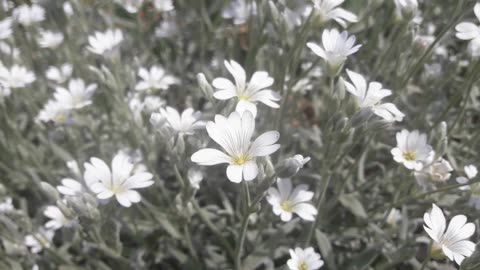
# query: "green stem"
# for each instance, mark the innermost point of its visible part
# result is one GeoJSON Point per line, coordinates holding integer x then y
{"type": "Point", "coordinates": [243, 228]}
{"type": "Point", "coordinates": [317, 206]}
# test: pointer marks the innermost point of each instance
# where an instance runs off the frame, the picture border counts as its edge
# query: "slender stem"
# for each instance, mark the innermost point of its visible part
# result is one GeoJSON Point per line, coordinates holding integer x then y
{"type": "Point", "coordinates": [192, 250]}
{"type": "Point", "coordinates": [318, 205]}
{"type": "Point", "coordinates": [429, 254]}
{"type": "Point", "coordinates": [243, 228]}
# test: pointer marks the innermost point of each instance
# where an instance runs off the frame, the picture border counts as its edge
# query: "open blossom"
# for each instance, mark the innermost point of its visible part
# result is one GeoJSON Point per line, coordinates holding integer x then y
{"type": "Point", "coordinates": [40, 240]}
{"type": "Point", "coordinates": [49, 39]}
{"type": "Point", "coordinates": [454, 240]}
{"type": "Point", "coordinates": [163, 5]}
{"type": "Point", "coordinates": [412, 149]}
{"type": "Point", "coordinates": [234, 135]}
{"type": "Point", "coordinates": [59, 75]}
{"type": "Point", "coordinates": [239, 11]}
{"type": "Point", "coordinates": [438, 171]}
{"type": "Point", "coordinates": [28, 15]}
{"type": "Point", "coordinates": [70, 187]}
{"type": "Point", "coordinates": [119, 181]}
{"type": "Point", "coordinates": [471, 31]}
{"type": "Point", "coordinates": [327, 10]}
{"type": "Point", "coordinates": [132, 6]}
{"type": "Point", "coordinates": [56, 112]}
{"type": "Point", "coordinates": [470, 173]}
{"type": "Point", "coordinates": [5, 28]}
{"type": "Point", "coordinates": [285, 201]}
{"type": "Point", "coordinates": [77, 96]}
{"type": "Point", "coordinates": [185, 123]}
{"type": "Point", "coordinates": [370, 97]}
{"type": "Point", "coordinates": [304, 259]}
{"type": "Point", "coordinates": [155, 78]}
{"type": "Point", "coordinates": [57, 218]}
{"type": "Point", "coordinates": [16, 77]}
{"type": "Point", "coordinates": [101, 43]}
{"type": "Point", "coordinates": [336, 47]}
{"type": "Point", "coordinates": [248, 94]}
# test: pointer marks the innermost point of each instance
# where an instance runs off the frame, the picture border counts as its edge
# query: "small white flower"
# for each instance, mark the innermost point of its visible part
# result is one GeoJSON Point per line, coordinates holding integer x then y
{"type": "Point", "coordinates": [239, 11]}
{"type": "Point", "coordinates": [406, 9]}
{"type": "Point", "coordinates": [186, 123]}
{"type": "Point", "coordinates": [285, 202]}
{"type": "Point", "coordinates": [470, 173]}
{"type": "Point", "coordinates": [304, 259]}
{"type": "Point", "coordinates": [16, 77]}
{"type": "Point", "coordinates": [290, 166]}
{"type": "Point", "coordinates": [156, 78]}
{"type": "Point", "coordinates": [70, 187]}
{"type": "Point", "coordinates": [72, 165]}
{"type": "Point", "coordinates": [6, 205]}
{"type": "Point", "coordinates": [77, 96]}
{"type": "Point", "coordinates": [336, 47]}
{"type": "Point", "coordinates": [57, 218]}
{"type": "Point", "coordinates": [470, 31]}
{"type": "Point", "coordinates": [328, 10]}
{"type": "Point", "coordinates": [40, 240]}
{"type": "Point", "coordinates": [101, 43]}
{"type": "Point", "coordinates": [59, 75]}
{"type": "Point", "coordinates": [248, 94]}
{"type": "Point", "coordinates": [452, 241]}
{"type": "Point", "coordinates": [167, 28]}
{"type": "Point", "coordinates": [49, 39]}
{"type": "Point", "coordinates": [117, 181]}
{"type": "Point", "coordinates": [28, 15]}
{"type": "Point", "coordinates": [9, 50]}
{"type": "Point", "coordinates": [438, 171]}
{"type": "Point", "coordinates": [132, 6]}
{"type": "Point", "coordinates": [412, 149]}
{"type": "Point", "coordinates": [393, 217]}
{"type": "Point", "coordinates": [56, 112]}
{"type": "Point", "coordinates": [370, 97]}
{"type": "Point", "coordinates": [68, 9]}
{"type": "Point", "coordinates": [152, 103]}
{"type": "Point", "coordinates": [195, 176]}
{"type": "Point", "coordinates": [5, 28]}
{"type": "Point", "coordinates": [234, 135]}
{"type": "Point", "coordinates": [163, 5]}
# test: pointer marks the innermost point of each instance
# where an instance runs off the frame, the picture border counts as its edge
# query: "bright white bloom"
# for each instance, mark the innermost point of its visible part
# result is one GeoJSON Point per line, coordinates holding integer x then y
{"type": "Point", "coordinates": [336, 47]}
{"type": "Point", "coordinates": [304, 259]}
{"type": "Point", "coordinates": [393, 217]}
{"type": "Point", "coordinates": [16, 77]}
{"type": "Point", "coordinates": [56, 112]}
{"type": "Point", "coordinates": [286, 201]}
{"type": "Point", "coordinates": [59, 75]}
{"type": "Point", "coordinates": [117, 181]}
{"type": "Point", "coordinates": [438, 171]}
{"type": "Point", "coordinates": [57, 219]}
{"type": "Point", "coordinates": [234, 135]}
{"type": "Point", "coordinates": [131, 6]}
{"type": "Point", "coordinates": [152, 103]}
{"type": "Point", "coordinates": [5, 28]}
{"type": "Point", "coordinates": [471, 31]}
{"type": "Point", "coordinates": [156, 78]}
{"type": "Point", "coordinates": [239, 11]}
{"type": "Point", "coordinates": [195, 176]}
{"type": "Point", "coordinates": [77, 96]}
{"type": "Point", "coordinates": [101, 43]}
{"type": "Point", "coordinates": [470, 172]}
{"type": "Point", "coordinates": [327, 10]}
{"type": "Point", "coordinates": [186, 123]}
{"type": "Point", "coordinates": [40, 240]}
{"type": "Point", "coordinates": [406, 9]}
{"type": "Point", "coordinates": [248, 94]}
{"type": "Point", "coordinates": [370, 97]}
{"type": "Point", "coordinates": [68, 9]}
{"type": "Point", "coordinates": [49, 39]}
{"type": "Point", "coordinates": [6, 205]}
{"type": "Point", "coordinates": [163, 5]}
{"type": "Point", "coordinates": [70, 187]}
{"type": "Point", "coordinates": [28, 15]}
{"type": "Point", "coordinates": [452, 241]}
{"type": "Point", "coordinates": [412, 149]}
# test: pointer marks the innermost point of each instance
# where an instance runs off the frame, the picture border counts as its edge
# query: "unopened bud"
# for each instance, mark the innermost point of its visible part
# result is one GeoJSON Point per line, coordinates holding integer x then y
{"type": "Point", "coordinates": [290, 166]}
{"type": "Point", "coordinates": [50, 191]}
{"type": "Point", "coordinates": [206, 88]}
{"type": "Point", "coordinates": [340, 88]}
{"type": "Point", "coordinates": [361, 117]}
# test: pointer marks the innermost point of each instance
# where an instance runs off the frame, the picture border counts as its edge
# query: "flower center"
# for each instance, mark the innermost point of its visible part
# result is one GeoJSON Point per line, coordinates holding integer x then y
{"type": "Point", "coordinates": [409, 155]}
{"type": "Point", "coordinates": [60, 118]}
{"type": "Point", "coordinates": [240, 160]}
{"type": "Point", "coordinates": [287, 206]}
{"type": "Point", "coordinates": [302, 266]}
{"type": "Point", "coordinates": [116, 189]}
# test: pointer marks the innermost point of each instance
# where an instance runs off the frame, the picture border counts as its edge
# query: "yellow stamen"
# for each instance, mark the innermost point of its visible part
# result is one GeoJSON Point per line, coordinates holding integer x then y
{"type": "Point", "coordinates": [302, 266]}
{"type": "Point", "coordinates": [286, 206]}
{"type": "Point", "coordinates": [409, 155]}
{"type": "Point", "coordinates": [240, 160]}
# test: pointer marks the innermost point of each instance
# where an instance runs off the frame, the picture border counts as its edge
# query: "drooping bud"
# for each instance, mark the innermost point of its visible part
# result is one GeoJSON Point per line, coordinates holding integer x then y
{"type": "Point", "coordinates": [50, 191]}
{"type": "Point", "coordinates": [290, 166]}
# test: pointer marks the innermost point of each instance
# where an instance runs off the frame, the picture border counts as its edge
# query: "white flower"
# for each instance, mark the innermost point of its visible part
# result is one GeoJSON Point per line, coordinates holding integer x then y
{"type": "Point", "coordinates": [186, 123]}
{"type": "Point", "coordinates": [77, 96]}
{"type": "Point", "coordinates": [156, 78]}
{"type": "Point", "coordinates": [290, 166]}
{"type": "Point", "coordinates": [370, 97]}
{"type": "Point", "coordinates": [239, 11]}
{"type": "Point", "coordinates": [195, 176]}
{"type": "Point", "coordinates": [285, 202]}
{"type": "Point", "coordinates": [328, 10]}
{"type": "Point", "coordinates": [152, 103]}
{"type": "Point", "coordinates": [167, 28]}
{"type": "Point", "coordinates": [118, 181]}
{"type": "Point", "coordinates": [72, 165]}
{"type": "Point", "coordinates": [412, 149]}
{"type": "Point", "coordinates": [452, 241]}
{"type": "Point", "coordinates": [16, 77]}
{"type": "Point", "coordinates": [49, 39]}
{"type": "Point", "coordinates": [28, 15]}
{"type": "Point", "coordinates": [9, 50]}
{"type": "Point", "coordinates": [6, 205]}
{"type": "Point", "coordinates": [57, 219]}
{"type": "Point", "coordinates": [70, 187]}
{"type": "Point", "coordinates": [59, 75]}
{"type": "Point", "coordinates": [304, 259]}
{"type": "Point", "coordinates": [406, 9]}
{"type": "Point", "coordinates": [393, 217]}
{"type": "Point", "coordinates": [163, 5]}
{"type": "Point", "coordinates": [470, 173]}
{"type": "Point", "coordinates": [40, 240]}
{"type": "Point", "coordinates": [5, 28]}
{"type": "Point", "coordinates": [438, 171]}
{"type": "Point", "coordinates": [56, 112]}
{"type": "Point", "coordinates": [336, 47]}
{"type": "Point", "coordinates": [68, 9]}
{"type": "Point", "coordinates": [248, 94]}
{"type": "Point", "coordinates": [131, 6]}
{"type": "Point", "coordinates": [471, 31]}
{"type": "Point", "coordinates": [101, 43]}
{"type": "Point", "coordinates": [234, 135]}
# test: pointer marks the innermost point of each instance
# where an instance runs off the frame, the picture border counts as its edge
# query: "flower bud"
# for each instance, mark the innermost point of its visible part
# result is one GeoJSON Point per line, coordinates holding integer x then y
{"type": "Point", "coordinates": [50, 191]}
{"type": "Point", "coordinates": [206, 88]}
{"type": "Point", "coordinates": [157, 120]}
{"type": "Point", "coordinates": [406, 9]}
{"type": "Point", "coordinates": [340, 87]}
{"type": "Point", "coordinates": [290, 166]}
{"type": "Point", "coordinates": [361, 117]}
